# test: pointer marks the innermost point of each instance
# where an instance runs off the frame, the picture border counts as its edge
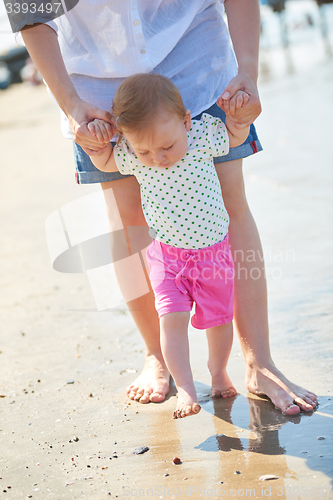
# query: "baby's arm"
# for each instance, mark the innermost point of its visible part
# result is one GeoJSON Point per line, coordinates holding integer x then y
{"type": "Point", "coordinates": [104, 159]}
{"type": "Point", "coordinates": [237, 135]}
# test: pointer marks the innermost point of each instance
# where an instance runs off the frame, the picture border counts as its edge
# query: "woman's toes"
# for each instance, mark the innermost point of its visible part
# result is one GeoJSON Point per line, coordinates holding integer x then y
{"type": "Point", "coordinates": [310, 402]}
{"type": "Point", "coordinates": [132, 392]}
{"type": "Point", "coordinates": [145, 398]}
{"type": "Point", "coordinates": [156, 397]}
{"type": "Point", "coordinates": [138, 395]}
{"type": "Point", "coordinates": [292, 409]}
{"type": "Point", "coordinates": [311, 399]}
{"type": "Point", "coordinates": [133, 395]}
{"type": "Point", "coordinates": [303, 404]}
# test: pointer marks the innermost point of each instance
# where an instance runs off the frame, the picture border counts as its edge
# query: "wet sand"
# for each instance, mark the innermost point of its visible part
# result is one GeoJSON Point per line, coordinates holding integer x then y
{"type": "Point", "coordinates": [67, 429]}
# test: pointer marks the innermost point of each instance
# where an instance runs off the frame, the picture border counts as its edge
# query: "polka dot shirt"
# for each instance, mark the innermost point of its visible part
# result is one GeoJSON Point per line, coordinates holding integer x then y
{"type": "Point", "coordinates": [183, 203]}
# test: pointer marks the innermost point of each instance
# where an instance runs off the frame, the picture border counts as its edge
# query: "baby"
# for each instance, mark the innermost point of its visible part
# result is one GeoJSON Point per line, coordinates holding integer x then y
{"type": "Point", "coordinates": [189, 258]}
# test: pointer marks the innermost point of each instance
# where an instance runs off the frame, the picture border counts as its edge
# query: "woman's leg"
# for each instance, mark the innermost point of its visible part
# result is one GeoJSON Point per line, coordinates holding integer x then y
{"type": "Point", "coordinates": [153, 382]}
{"type": "Point", "coordinates": [250, 309]}
{"type": "Point", "coordinates": [175, 347]}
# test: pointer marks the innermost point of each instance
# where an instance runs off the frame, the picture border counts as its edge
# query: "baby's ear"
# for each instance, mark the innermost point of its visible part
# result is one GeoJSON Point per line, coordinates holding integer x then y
{"type": "Point", "coordinates": [187, 120]}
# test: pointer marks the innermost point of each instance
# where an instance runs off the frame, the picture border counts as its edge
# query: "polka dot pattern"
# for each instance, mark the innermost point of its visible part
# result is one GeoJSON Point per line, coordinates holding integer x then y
{"type": "Point", "coordinates": [183, 203]}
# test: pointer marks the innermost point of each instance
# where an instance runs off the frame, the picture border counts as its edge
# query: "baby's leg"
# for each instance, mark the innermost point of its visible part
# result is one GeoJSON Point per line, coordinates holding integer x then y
{"type": "Point", "coordinates": [219, 346]}
{"type": "Point", "coordinates": [175, 349]}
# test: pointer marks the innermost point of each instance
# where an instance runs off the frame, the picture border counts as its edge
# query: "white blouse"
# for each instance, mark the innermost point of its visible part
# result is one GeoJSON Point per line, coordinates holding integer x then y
{"type": "Point", "coordinates": [104, 41]}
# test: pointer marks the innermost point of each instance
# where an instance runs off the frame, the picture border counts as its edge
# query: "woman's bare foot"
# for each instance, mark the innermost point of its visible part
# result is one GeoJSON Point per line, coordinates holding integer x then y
{"type": "Point", "coordinates": [152, 385]}
{"type": "Point", "coordinates": [187, 403]}
{"type": "Point", "coordinates": [221, 384]}
{"type": "Point", "coordinates": [285, 395]}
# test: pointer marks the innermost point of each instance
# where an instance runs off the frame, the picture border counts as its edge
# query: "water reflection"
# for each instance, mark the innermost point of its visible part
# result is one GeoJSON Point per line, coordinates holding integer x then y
{"type": "Point", "coordinates": [264, 424]}
{"type": "Point", "coordinates": [262, 436]}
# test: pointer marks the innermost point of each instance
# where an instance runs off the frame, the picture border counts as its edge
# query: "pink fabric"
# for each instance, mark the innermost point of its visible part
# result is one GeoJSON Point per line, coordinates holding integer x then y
{"type": "Point", "coordinates": [182, 277]}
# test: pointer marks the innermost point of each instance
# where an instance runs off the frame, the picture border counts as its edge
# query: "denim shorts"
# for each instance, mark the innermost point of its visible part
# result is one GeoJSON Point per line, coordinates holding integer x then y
{"type": "Point", "coordinates": [87, 173]}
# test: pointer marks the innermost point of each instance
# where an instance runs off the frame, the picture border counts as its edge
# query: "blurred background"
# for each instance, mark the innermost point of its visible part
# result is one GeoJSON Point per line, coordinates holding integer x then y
{"type": "Point", "coordinates": [302, 28]}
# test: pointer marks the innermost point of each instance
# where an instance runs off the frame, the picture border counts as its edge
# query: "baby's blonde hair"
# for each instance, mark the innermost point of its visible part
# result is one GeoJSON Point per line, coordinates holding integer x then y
{"type": "Point", "coordinates": [138, 99]}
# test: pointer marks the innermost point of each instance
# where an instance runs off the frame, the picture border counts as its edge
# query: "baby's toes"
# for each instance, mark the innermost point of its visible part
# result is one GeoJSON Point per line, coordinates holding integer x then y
{"type": "Point", "coordinates": [182, 412]}
{"type": "Point", "coordinates": [230, 393]}
{"type": "Point", "coordinates": [187, 411]}
{"type": "Point", "coordinates": [196, 408]}
{"type": "Point", "coordinates": [218, 394]}
{"type": "Point", "coordinates": [177, 414]}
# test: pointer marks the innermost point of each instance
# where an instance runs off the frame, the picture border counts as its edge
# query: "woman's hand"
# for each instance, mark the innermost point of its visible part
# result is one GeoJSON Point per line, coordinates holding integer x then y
{"type": "Point", "coordinates": [82, 113]}
{"type": "Point", "coordinates": [244, 116]}
{"type": "Point", "coordinates": [244, 27]}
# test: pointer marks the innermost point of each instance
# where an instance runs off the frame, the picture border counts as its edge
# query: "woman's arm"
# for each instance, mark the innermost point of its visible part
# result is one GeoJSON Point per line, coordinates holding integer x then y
{"type": "Point", "coordinates": [42, 44]}
{"type": "Point", "coordinates": [244, 27]}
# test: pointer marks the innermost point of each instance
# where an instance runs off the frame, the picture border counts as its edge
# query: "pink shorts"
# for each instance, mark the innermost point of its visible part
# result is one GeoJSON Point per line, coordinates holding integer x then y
{"type": "Point", "coordinates": [205, 276]}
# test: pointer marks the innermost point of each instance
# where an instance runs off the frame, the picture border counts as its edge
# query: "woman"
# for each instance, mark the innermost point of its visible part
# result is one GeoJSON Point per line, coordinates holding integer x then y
{"type": "Point", "coordinates": [99, 43]}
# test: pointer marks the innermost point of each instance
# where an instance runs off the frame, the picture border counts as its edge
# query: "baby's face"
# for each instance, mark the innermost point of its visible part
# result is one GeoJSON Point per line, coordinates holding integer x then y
{"type": "Point", "coordinates": [165, 143]}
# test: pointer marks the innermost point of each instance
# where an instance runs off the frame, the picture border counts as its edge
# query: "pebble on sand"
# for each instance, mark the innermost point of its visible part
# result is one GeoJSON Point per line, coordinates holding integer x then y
{"type": "Point", "coordinates": [75, 439]}
{"type": "Point", "coordinates": [268, 477]}
{"type": "Point", "coordinates": [140, 450]}
{"type": "Point", "coordinates": [177, 460]}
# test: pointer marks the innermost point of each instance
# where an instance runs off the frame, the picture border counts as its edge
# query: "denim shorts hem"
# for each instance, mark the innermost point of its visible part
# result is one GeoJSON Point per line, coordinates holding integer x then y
{"type": "Point", "coordinates": [97, 177]}
{"type": "Point", "coordinates": [242, 151]}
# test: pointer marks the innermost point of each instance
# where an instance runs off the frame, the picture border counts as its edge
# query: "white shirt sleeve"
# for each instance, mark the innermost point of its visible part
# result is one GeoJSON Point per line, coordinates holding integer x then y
{"type": "Point", "coordinates": [216, 135]}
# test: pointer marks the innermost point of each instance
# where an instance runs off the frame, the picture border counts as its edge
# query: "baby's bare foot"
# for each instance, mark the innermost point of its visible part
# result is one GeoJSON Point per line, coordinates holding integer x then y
{"type": "Point", "coordinates": [187, 403]}
{"type": "Point", "coordinates": [218, 393]}
{"type": "Point", "coordinates": [152, 385]}
{"type": "Point", "coordinates": [221, 384]}
{"type": "Point", "coordinates": [187, 411]}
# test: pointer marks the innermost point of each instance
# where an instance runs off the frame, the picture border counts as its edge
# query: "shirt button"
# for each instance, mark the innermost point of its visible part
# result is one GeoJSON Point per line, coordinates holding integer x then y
{"type": "Point", "coordinates": [136, 22]}
{"type": "Point", "coordinates": [143, 51]}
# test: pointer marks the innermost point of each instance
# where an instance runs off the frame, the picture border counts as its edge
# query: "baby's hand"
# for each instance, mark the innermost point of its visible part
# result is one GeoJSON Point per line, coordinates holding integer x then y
{"type": "Point", "coordinates": [102, 130]}
{"type": "Point", "coordinates": [237, 101]}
